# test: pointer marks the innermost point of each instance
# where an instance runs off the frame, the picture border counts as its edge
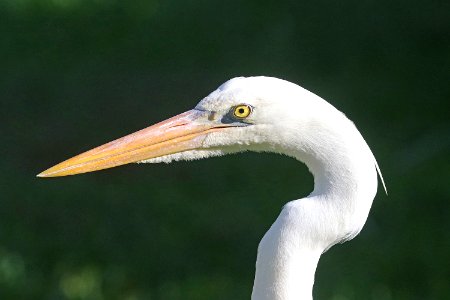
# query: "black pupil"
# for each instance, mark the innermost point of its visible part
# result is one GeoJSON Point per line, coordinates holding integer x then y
{"type": "Point", "coordinates": [241, 110]}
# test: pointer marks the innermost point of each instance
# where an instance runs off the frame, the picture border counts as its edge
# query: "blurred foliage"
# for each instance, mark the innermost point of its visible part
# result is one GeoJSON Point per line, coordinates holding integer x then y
{"type": "Point", "coordinates": [77, 73]}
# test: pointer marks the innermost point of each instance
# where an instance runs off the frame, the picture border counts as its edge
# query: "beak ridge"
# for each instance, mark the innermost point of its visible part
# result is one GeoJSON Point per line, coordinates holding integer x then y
{"type": "Point", "coordinates": [183, 132]}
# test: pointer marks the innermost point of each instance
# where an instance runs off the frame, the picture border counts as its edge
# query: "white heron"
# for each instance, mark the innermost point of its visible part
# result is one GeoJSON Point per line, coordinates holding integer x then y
{"type": "Point", "coordinates": [272, 115]}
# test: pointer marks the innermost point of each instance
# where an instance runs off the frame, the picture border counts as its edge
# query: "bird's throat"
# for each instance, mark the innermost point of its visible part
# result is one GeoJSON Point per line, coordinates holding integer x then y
{"type": "Point", "coordinates": [344, 186]}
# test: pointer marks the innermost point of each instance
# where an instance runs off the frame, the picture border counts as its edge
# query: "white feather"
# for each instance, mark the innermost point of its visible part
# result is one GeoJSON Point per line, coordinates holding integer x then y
{"type": "Point", "coordinates": [290, 120]}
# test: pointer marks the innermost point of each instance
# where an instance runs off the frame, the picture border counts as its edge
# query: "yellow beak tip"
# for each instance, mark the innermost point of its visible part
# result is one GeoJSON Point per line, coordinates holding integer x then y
{"type": "Point", "coordinates": [42, 174]}
{"type": "Point", "coordinates": [48, 173]}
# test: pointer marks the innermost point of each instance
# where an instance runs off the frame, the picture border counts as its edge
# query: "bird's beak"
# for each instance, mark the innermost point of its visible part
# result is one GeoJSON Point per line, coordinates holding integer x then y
{"type": "Point", "coordinates": [183, 132]}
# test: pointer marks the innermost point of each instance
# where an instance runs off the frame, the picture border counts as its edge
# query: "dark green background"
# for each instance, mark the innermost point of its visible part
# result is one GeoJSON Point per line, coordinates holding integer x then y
{"type": "Point", "coordinates": [77, 73]}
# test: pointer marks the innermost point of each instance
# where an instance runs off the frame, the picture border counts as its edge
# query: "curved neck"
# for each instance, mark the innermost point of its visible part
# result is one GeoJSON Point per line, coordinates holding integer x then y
{"type": "Point", "coordinates": [289, 276]}
{"type": "Point", "coordinates": [344, 186]}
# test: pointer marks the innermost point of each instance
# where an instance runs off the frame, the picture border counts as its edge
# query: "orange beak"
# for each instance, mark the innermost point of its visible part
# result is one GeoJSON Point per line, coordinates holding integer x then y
{"type": "Point", "coordinates": [183, 132]}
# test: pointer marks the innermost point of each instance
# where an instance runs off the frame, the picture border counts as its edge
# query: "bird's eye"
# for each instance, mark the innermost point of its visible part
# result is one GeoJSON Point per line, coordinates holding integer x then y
{"type": "Point", "coordinates": [242, 111]}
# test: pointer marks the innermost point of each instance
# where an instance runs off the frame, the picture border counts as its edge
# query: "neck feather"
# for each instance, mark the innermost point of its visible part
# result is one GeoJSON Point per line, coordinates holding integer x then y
{"type": "Point", "coordinates": [345, 184]}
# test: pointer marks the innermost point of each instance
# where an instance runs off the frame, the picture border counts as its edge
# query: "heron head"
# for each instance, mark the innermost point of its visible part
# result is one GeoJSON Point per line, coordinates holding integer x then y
{"type": "Point", "coordinates": [242, 114]}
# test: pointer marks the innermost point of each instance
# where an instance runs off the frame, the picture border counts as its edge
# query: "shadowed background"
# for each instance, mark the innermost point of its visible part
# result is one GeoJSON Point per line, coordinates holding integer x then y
{"type": "Point", "coordinates": [78, 73]}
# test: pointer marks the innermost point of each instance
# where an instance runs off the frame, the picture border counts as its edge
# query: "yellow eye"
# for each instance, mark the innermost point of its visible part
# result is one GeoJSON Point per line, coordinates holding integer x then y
{"type": "Point", "coordinates": [242, 111]}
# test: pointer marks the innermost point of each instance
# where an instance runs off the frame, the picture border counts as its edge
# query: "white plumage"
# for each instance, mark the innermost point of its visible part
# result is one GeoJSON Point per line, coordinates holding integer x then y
{"type": "Point", "coordinates": [283, 118]}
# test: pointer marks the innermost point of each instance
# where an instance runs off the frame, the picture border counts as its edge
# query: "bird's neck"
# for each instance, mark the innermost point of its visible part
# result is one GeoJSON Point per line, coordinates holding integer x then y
{"type": "Point", "coordinates": [344, 186]}
{"type": "Point", "coordinates": [283, 274]}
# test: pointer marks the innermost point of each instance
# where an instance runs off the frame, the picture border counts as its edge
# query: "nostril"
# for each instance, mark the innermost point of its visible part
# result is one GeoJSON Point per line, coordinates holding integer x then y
{"type": "Point", "coordinates": [212, 116]}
